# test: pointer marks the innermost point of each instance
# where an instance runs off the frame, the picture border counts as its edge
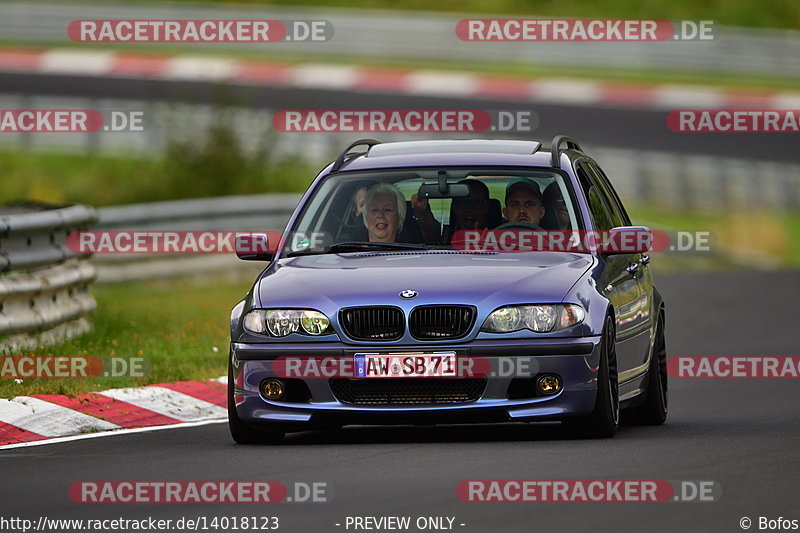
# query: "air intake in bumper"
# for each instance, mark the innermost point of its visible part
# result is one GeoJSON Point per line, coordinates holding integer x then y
{"type": "Point", "coordinates": [407, 391]}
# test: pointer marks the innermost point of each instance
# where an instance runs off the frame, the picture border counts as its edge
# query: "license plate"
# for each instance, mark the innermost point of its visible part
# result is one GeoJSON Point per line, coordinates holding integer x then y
{"type": "Point", "coordinates": [405, 365]}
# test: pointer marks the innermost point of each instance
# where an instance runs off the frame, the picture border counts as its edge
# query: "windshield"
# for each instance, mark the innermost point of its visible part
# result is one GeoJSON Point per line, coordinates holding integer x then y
{"type": "Point", "coordinates": [428, 208]}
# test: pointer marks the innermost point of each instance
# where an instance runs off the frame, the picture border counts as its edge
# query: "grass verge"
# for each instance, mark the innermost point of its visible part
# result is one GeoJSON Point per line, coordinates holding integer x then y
{"type": "Point", "coordinates": [181, 328]}
{"type": "Point", "coordinates": [739, 238]}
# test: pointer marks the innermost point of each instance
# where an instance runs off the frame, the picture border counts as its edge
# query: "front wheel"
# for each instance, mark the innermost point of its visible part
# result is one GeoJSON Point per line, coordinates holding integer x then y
{"type": "Point", "coordinates": [653, 412]}
{"type": "Point", "coordinates": [603, 421]}
{"type": "Point", "coordinates": [242, 432]}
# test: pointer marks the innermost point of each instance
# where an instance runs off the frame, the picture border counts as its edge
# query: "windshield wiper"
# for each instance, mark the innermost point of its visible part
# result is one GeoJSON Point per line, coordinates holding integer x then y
{"type": "Point", "coordinates": [359, 246]}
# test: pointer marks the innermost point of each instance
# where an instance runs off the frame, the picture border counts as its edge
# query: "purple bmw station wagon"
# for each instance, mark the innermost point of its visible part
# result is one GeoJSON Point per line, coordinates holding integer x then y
{"type": "Point", "coordinates": [396, 296]}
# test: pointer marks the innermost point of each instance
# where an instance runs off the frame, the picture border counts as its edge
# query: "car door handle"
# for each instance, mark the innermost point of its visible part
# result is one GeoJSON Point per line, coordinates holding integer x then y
{"type": "Point", "coordinates": [633, 267]}
{"type": "Point", "coordinates": [645, 260]}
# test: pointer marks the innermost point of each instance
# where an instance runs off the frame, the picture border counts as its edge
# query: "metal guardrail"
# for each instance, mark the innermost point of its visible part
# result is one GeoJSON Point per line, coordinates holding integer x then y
{"type": "Point", "coordinates": [44, 287]}
{"type": "Point", "coordinates": [258, 212]}
{"type": "Point", "coordinates": [268, 212]}
{"type": "Point", "coordinates": [699, 183]}
{"type": "Point", "coordinates": [33, 240]}
{"type": "Point", "coordinates": [428, 36]}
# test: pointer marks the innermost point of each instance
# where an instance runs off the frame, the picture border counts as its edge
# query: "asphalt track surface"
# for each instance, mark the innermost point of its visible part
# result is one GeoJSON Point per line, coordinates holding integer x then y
{"type": "Point", "coordinates": [743, 434]}
{"type": "Point", "coordinates": [605, 126]}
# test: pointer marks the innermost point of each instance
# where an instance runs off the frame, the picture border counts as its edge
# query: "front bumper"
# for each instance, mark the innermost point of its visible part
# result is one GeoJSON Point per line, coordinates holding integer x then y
{"type": "Point", "coordinates": [576, 360]}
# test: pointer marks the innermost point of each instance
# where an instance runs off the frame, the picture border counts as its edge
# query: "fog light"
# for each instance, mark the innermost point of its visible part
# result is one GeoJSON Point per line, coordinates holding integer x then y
{"type": "Point", "coordinates": [549, 385]}
{"type": "Point", "coordinates": [272, 389]}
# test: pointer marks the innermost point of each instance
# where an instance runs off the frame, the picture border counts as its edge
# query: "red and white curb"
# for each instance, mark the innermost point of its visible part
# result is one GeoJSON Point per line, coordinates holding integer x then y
{"type": "Point", "coordinates": [44, 418]}
{"type": "Point", "coordinates": [113, 64]}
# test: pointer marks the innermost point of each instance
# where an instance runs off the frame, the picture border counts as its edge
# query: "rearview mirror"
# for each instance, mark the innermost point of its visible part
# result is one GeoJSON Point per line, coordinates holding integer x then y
{"type": "Point", "coordinates": [451, 190]}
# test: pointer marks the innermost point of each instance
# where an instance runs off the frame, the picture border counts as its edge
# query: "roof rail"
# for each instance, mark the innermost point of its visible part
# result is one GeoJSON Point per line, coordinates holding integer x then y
{"type": "Point", "coordinates": [340, 160]}
{"type": "Point", "coordinates": [555, 148]}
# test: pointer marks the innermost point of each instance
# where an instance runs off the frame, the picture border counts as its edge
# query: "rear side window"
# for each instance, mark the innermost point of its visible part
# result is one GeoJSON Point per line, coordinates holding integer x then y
{"type": "Point", "coordinates": [610, 193]}
{"type": "Point", "coordinates": [602, 213]}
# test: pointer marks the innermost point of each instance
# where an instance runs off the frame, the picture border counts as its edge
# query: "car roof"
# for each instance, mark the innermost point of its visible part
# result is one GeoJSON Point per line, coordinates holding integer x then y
{"type": "Point", "coordinates": [475, 152]}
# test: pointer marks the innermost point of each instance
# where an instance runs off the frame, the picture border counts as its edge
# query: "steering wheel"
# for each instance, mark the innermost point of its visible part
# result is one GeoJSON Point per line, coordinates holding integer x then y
{"type": "Point", "coordinates": [519, 225]}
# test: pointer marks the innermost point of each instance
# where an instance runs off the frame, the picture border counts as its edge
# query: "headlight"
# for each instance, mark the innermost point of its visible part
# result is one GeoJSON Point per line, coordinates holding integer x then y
{"type": "Point", "coordinates": [282, 322]}
{"type": "Point", "coordinates": [314, 322]}
{"type": "Point", "coordinates": [504, 319]}
{"type": "Point", "coordinates": [538, 318]}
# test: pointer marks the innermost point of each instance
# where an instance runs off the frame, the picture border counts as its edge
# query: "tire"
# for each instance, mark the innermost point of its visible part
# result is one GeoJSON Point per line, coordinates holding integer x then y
{"type": "Point", "coordinates": [653, 412]}
{"type": "Point", "coordinates": [603, 421]}
{"type": "Point", "coordinates": [242, 432]}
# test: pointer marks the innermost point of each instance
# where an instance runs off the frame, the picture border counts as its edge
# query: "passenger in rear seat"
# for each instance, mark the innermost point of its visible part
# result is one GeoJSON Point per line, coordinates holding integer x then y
{"type": "Point", "coordinates": [556, 212]}
{"type": "Point", "coordinates": [469, 213]}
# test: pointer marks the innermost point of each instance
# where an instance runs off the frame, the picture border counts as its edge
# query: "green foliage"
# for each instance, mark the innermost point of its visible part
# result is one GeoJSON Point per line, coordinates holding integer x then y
{"type": "Point", "coordinates": [211, 163]}
{"type": "Point", "coordinates": [214, 161]}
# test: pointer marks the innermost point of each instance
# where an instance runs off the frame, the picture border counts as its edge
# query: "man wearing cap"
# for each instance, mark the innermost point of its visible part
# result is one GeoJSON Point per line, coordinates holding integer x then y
{"type": "Point", "coordinates": [523, 202]}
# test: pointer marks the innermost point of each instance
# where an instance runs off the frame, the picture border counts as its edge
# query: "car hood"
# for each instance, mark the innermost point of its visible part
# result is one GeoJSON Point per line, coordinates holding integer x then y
{"type": "Point", "coordinates": [332, 281]}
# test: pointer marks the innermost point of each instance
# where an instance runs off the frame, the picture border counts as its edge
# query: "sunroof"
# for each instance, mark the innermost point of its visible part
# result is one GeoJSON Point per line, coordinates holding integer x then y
{"type": "Point", "coordinates": [440, 147]}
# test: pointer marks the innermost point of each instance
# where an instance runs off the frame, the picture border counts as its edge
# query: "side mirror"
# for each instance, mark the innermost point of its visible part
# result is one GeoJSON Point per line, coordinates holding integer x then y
{"type": "Point", "coordinates": [253, 247]}
{"type": "Point", "coordinates": [628, 240]}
